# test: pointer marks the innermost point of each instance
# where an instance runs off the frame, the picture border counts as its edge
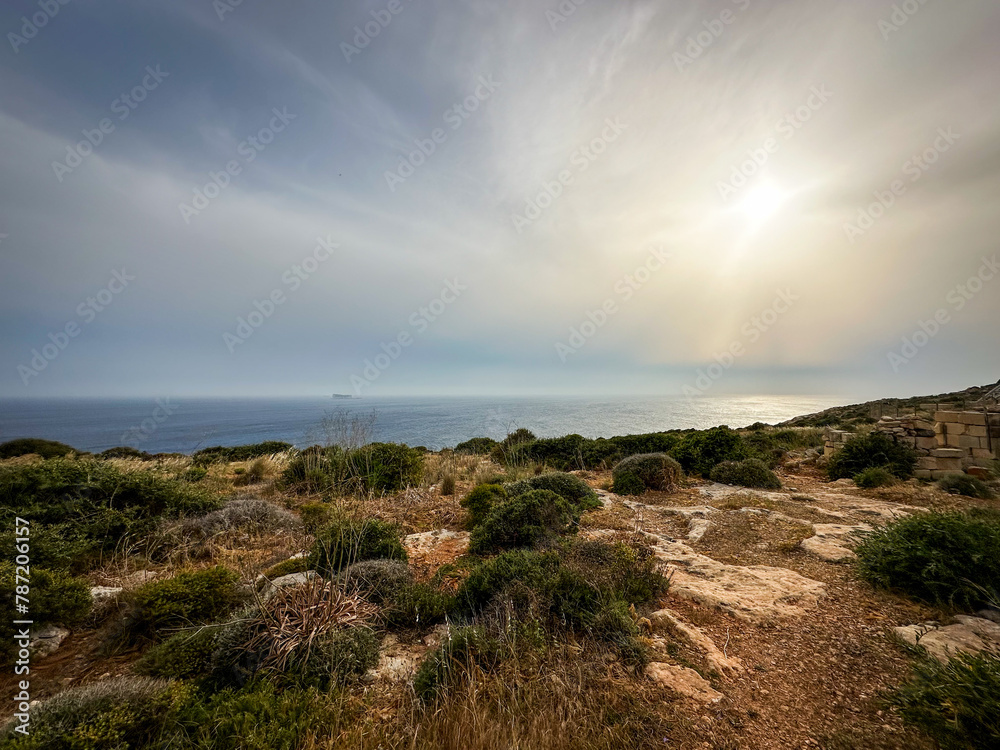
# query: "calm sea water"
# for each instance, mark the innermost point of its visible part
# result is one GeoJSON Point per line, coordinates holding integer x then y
{"type": "Point", "coordinates": [185, 425]}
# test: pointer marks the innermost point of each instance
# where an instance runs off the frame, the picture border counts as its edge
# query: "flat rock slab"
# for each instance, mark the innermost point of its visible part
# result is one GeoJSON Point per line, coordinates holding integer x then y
{"type": "Point", "coordinates": [47, 640]}
{"type": "Point", "coordinates": [697, 516]}
{"type": "Point", "coordinates": [969, 635]}
{"type": "Point", "coordinates": [456, 542]}
{"type": "Point", "coordinates": [683, 681]}
{"type": "Point", "coordinates": [665, 620]}
{"type": "Point", "coordinates": [758, 594]}
{"type": "Point", "coordinates": [831, 540]}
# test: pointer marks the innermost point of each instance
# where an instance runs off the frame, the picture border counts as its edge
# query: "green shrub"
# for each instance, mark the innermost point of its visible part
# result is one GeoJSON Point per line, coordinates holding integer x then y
{"type": "Point", "coordinates": [195, 474]}
{"type": "Point", "coordinates": [219, 453]}
{"type": "Point", "coordinates": [338, 658]}
{"type": "Point", "coordinates": [957, 703]}
{"type": "Point", "coordinates": [315, 516]}
{"type": "Point", "coordinates": [387, 467]}
{"type": "Point", "coordinates": [81, 510]}
{"type": "Point", "coordinates": [418, 605]}
{"type": "Point", "coordinates": [55, 596]}
{"type": "Point", "coordinates": [288, 567]}
{"type": "Point", "coordinates": [126, 712]}
{"type": "Point", "coordinates": [481, 500]}
{"type": "Point", "coordinates": [523, 521]}
{"type": "Point", "coordinates": [872, 451]}
{"type": "Point", "coordinates": [125, 451]}
{"type": "Point", "coordinates": [939, 558]}
{"type": "Point", "coordinates": [476, 447]}
{"type": "Point", "coordinates": [627, 572]}
{"type": "Point", "coordinates": [876, 477]}
{"type": "Point", "coordinates": [656, 471]}
{"type": "Point", "coordinates": [964, 484]}
{"type": "Point", "coordinates": [448, 485]}
{"type": "Point", "coordinates": [345, 542]}
{"type": "Point", "coordinates": [700, 452]}
{"type": "Point", "coordinates": [571, 488]}
{"type": "Point", "coordinates": [247, 514]}
{"type": "Point", "coordinates": [378, 581]}
{"type": "Point", "coordinates": [188, 598]}
{"type": "Point", "coordinates": [262, 716]}
{"type": "Point", "coordinates": [751, 472]}
{"type": "Point", "coordinates": [27, 446]}
{"type": "Point", "coordinates": [183, 655]}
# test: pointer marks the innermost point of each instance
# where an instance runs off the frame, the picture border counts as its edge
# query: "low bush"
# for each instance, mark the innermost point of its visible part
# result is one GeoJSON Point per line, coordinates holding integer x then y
{"type": "Point", "coordinates": [465, 646]}
{"type": "Point", "coordinates": [338, 657]}
{"type": "Point", "coordinates": [316, 515]}
{"type": "Point", "coordinates": [183, 655]}
{"type": "Point", "coordinates": [751, 472]}
{"type": "Point", "coordinates": [55, 596]}
{"type": "Point", "coordinates": [125, 451]}
{"type": "Point", "coordinates": [249, 515]}
{"type": "Point", "coordinates": [700, 452]}
{"type": "Point", "coordinates": [386, 467]}
{"type": "Point", "coordinates": [956, 703]}
{"type": "Point", "coordinates": [255, 473]}
{"type": "Point", "coordinates": [523, 521]}
{"type": "Point", "coordinates": [654, 471]}
{"type": "Point", "coordinates": [871, 479]}
{"type": "Point", "coordinates": [569, 487]}
{"type": "Point", "coordinates": [378, 581]}
{"type": "Point", "coordinates": [219, 453]}
{"type": "Point", "coordinates": [418, 605]}
{"type": "Point", "coordinates": [476, 447]}
{"type": "Point", "coordinates": [288, 567]}
{"type": "Point", "coordinates": [872, 451]}
{"type": "Point", "coordinates": [628, 572]}
{"type": "Point", "coordinates": [940, 558]}
{"type": "Point", "coordinates": [964, 484]}
{"type": "Point", "coordinates": [448, 485]}
{"type": "Point", "coordinates": [195, 474]}
{"type": "Point", "coordinates": [344, 542]}
{"type": "Point", "coordinates": [126, 712]}
{"type": "Point", "coordinates": [188, 598]}
{"type": "Point", "coordinates": [37, 446]}
{"type": "Point", "coordinates": [481, 500]}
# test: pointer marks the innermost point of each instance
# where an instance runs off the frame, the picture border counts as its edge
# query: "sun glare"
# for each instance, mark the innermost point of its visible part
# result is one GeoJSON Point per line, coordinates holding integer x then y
{"type": "Point", "coordinates": [763, 202]}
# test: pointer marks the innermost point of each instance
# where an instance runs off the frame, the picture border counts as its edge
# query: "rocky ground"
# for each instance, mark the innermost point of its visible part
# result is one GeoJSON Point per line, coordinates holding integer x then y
{"type": "Point", "coordinates": [766, 638]}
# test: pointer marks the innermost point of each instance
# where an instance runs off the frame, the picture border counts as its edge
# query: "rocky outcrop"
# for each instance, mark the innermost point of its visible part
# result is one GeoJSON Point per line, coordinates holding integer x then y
{"type": "Point", "coordinates": [683, 681]}
{"type": "Point", "coordinates": [970, 635]}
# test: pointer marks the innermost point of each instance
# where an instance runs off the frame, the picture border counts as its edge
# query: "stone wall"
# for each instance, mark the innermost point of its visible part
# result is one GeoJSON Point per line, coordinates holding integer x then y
{"type": "Point", "coordinates": [953, 442]}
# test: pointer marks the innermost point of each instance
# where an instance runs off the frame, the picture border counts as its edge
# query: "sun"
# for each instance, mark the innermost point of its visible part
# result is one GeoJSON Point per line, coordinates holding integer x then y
{"type": "Point", "coordinates": [763, 201]}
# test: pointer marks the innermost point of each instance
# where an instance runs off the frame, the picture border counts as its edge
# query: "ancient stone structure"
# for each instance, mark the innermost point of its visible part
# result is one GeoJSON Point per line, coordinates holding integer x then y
{"type": "Point", "coordinates": [951, 442]}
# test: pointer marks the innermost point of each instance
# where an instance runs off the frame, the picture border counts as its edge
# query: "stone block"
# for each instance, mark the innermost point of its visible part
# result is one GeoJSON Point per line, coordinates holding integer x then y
{"type": "Point", "coordinates": [927, 443]}
{"type": "Point", "coordinates": [955, 428]}
{"type": "Point", "coordinates": [927, 462]}
{"type": "Point", "coordinates": [948, 453]}
{"type": "Point", "coordinates": [976, 430]}
{"type": "Point", "coordinates": [935, 475]}
{"type": "Point", "coordinates": [923, 474]}
{"type": "Point", "coordinates": [951, 465]}
{"type": "Point", "coordinates": [969, 442]}
{"type": "Point", "coordinates": [974, 418]}
{"type": "Point", "coordinates": [922, 424]}
{"type": "Point", "coordinates": [948, 416]}
{"type": "Point", "coordinates": [982, 453]}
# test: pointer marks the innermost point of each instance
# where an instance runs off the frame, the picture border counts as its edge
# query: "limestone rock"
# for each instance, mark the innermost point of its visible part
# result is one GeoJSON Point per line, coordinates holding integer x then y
{"type": "Point", "coordinates": [101, 594]}
{"type": "Point", "coordinates": [47, 640]}
{"type": "Point", "coordinates": [757, 594]}
{"type": "Point", "coordinates": [968, 634]}
{"type": "Point", "coordinates": [292, 579]}
{"type": "Point", "coordinates": [683, 681]}
{"type": "Point", "coordinates": [664, 619]}
{"type": "Point", "coordinates": [429, 541]}
{"type": "Point", "coordinates": [830, 541]}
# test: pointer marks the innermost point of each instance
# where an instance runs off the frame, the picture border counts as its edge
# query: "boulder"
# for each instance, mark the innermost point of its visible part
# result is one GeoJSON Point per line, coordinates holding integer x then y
{"type": "Point", "coordinates": [968, 634]}
{"type": "Point", "coordinates": [683, 681]}
{"type": "Point", "coordinates": [47, 640]}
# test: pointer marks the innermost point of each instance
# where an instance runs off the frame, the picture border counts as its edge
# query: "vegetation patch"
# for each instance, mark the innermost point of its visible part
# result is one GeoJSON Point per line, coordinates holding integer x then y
{"type": "Point", "coordinates": [951, 559]}
{"type": "Point", "coordinates": [964, 484]}
{"type": "Point", "coordinates": [875, 477]}
{"type": "Point", "coordinates": [872, 451]}
{"type": "Point", "coordinates": [220, 454]}
{"type": "Point", "coordinates": [571, 488]}
{"type": "Point", "coordinates": [648, 471]}
{"type": "Point", "coordinates": [37, 446]}
{"type": "Point", "coordinates": [751, 472]}
{"type": "Point", "coordinates": [346, 541]}
{"type": "Point", "coordinates": [957, 703]}
{"type": "Point", "coordinates": [524, 521]}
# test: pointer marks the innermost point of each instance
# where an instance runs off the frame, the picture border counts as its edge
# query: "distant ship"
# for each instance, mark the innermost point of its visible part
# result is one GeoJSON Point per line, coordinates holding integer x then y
{"type": "Point", "coordinates": [344, 395]}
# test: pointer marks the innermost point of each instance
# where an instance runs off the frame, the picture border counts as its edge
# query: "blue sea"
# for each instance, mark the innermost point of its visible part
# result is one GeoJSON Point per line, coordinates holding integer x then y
{"type": "Point", "coordinates": [186, 425]}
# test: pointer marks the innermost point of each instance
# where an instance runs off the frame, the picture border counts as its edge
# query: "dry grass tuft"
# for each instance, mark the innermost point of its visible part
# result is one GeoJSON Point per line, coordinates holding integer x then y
{"type": "Point", "coordinates": [296, 618]}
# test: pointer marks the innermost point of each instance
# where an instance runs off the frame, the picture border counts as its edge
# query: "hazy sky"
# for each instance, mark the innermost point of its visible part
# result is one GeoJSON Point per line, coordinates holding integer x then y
{"type": "Point", "coordinates": [477, 179]}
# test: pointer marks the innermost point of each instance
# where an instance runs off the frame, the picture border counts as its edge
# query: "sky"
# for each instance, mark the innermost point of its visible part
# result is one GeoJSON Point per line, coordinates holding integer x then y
{"type": "Point", "coordinates": [405, 197]}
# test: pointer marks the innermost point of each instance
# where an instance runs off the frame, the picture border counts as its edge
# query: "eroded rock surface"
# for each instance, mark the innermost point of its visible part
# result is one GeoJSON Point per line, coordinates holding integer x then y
{"type": "Point", "coordinates": [683, 681]}
{"type": "Point", "coordinates": [968, 634]}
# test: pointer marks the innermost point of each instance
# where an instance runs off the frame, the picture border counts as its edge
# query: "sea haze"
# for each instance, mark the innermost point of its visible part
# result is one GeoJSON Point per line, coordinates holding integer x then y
{"type": "Point", "coordinates": [184, 426]}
